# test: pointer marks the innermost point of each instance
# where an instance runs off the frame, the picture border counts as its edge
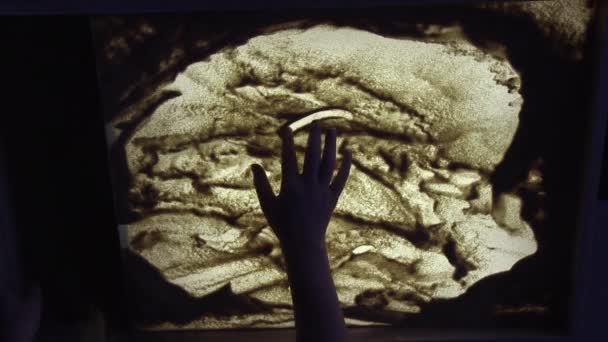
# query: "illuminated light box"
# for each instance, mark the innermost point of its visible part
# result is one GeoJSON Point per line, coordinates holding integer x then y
{"type": "Point", "coordinates": [443, 109]}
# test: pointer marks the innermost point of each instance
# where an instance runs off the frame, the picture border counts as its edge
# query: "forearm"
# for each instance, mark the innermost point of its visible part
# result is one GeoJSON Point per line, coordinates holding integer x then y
{"type": "Point", "coordinates": [319, 317]}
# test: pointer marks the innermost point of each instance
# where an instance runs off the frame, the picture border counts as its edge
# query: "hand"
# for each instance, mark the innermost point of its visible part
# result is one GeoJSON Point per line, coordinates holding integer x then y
{"type": "Point", "coordinates": [299, 215]}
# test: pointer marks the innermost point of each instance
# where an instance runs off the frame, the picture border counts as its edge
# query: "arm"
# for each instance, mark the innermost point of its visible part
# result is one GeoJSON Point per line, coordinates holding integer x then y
{"type": "Point", "coordinates": [299, 216]}
{"type": "Point", "coordinates": [317, 310]}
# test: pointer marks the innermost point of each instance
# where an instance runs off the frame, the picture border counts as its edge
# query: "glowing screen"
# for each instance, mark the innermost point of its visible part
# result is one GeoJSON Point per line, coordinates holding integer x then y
{"type": "Point", "coordinates": [431, 102]}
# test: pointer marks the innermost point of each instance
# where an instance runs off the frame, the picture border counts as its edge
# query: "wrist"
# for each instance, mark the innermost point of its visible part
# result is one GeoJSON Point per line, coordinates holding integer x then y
{"type": "Point", "coordinates": [304, 249]}
{"type": "Point", "coordinates": [307, 263]}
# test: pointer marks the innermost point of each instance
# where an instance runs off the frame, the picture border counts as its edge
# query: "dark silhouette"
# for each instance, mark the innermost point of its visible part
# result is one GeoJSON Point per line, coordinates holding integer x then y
{"type": "Point", "coordinates": [299, 216]}
{"type": "Point", "coordinates": [20, 300]}
{"type": "Point", "coordinates": [20, 314]}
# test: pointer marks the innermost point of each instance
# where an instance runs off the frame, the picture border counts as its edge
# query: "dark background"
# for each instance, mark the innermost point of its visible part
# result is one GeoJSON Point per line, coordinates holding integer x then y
{"type": "Point", "coordinates": [604, 173]}
{"type": "Point", "coordinates": [55, 155]}
{"type": "Point", "coordinates": [55, 159]}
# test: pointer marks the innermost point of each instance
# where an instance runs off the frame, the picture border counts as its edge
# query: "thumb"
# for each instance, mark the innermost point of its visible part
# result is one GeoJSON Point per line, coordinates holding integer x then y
{"type": "Point", "coordinates": [262, 187]}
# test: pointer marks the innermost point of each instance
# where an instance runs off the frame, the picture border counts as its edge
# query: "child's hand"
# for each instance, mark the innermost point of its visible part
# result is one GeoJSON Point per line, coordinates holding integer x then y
{"type": "Point", "coordinates": [299, 215]}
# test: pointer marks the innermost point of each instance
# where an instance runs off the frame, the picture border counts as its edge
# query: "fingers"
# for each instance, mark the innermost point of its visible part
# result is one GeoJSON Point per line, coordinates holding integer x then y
{"type": "Point", "coordinates": [262, 187]}
{"type": "Point", "coordinates": [338, 184]}
{"type": "Point", "coordinates": [289, 163]}
{"type": "Point", "coordinates": [326, 170]}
